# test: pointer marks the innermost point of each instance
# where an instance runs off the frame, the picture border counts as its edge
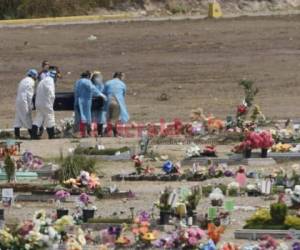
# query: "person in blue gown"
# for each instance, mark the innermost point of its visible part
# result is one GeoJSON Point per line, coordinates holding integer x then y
{"type": "Point", "coordinates": [115, 106]}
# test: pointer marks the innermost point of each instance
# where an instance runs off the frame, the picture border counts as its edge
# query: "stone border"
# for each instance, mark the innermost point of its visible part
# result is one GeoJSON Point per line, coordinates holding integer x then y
{"type": "Point", "coordinates": [255, 234]}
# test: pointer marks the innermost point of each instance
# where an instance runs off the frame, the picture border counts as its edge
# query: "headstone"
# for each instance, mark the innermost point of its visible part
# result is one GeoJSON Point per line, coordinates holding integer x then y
{"type": "Point", "coordinates": [266, 186]}
{"type": "Point", "coordinates": [7, 196]}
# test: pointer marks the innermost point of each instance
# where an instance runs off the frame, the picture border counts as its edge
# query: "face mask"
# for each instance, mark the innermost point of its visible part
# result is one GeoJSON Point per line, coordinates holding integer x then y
{"type": "Point", "coordinates": [99, 79]}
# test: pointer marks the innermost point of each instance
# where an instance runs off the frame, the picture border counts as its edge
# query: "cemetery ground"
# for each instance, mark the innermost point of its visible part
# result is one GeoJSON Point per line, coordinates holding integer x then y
{"type": "Point", "coordinates": [198, 63]}
{"type": "Point", "coordinates": [147, 192]}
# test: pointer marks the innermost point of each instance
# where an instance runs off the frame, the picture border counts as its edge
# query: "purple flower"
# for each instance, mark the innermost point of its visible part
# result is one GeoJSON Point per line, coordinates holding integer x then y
{"type": "Point", "coordinates": [62, 195]}
{"type": "Point", "coordinates": [84, 198]}
{"type": "Point", "coordinates": [296, 246]}
{"type": "Point", "coordinates": [228, 173]}
{"type": "Point", "coordinates": [144, 216]}
{"type": "Point", "coordinates": [114, 230]}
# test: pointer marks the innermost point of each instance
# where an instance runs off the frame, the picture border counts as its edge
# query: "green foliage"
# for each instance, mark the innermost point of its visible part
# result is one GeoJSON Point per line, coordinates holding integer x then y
{"type": "Point", "coordinates": [249, 90]}
{"type": "Point", "coordinates": [278, 212]}
{"type": "Point", "coordinates": [72, 165]}
{"type": "Point", "coordinates": [163, 204]}
{"type": "Point", "coordinates": [95, 151]}
{"type": "Point", "coordinates": [194, 198]}
{"type": "Point", "coordinates": [10, 168]}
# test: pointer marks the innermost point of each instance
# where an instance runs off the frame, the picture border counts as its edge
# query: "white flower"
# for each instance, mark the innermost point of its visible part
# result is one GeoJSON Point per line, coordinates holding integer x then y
{"type": "Point", "coordinates": [251, 187]}
{"type": "Point", "coordinates": [193, 150]}
{"type": "Point", "coordinates": [52, 233]}
{"type": "Point", "coordinates": [233, 185]}
{"type": "Point", "coordinates": [216, 194]}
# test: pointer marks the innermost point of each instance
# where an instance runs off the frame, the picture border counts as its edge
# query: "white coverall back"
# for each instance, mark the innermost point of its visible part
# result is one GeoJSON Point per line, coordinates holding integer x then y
{"type": "Point", "coordinates": [23, 118]}
{"type": "Point", "coordinates": [45, 96]}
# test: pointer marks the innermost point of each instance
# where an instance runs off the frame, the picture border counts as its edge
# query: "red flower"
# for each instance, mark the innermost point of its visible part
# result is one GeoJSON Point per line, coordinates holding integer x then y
{"type": "Point", "coordinates": [241, 109]}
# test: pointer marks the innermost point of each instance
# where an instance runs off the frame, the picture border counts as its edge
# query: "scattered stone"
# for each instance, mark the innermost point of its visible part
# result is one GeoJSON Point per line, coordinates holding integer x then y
{"type": "Point", "coordinates": [92, 38]}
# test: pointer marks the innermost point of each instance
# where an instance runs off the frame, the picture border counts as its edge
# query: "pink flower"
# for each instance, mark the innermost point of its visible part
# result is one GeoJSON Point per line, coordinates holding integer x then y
{"type": "Point", "coordinates": [192, 241]}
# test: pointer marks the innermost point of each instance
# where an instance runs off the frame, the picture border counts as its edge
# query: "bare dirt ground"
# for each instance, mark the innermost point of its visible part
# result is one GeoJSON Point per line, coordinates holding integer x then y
{"type": "Point", "coordinates": [197, 63]}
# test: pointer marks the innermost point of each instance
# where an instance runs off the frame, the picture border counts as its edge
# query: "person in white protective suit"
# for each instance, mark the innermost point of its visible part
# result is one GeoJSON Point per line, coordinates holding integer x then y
{"type": "Point", "coordinates": [45, 96]}
{"type": "Point", "coordinates": [24, 104]}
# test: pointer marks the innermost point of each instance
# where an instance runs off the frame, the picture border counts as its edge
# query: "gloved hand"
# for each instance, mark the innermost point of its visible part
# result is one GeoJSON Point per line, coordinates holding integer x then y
{"type": "Point", "coordinates": [104, 97]}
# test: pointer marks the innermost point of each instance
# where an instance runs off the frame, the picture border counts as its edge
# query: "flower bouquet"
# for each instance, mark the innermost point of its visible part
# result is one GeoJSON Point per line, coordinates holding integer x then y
{"type": "Point", "coordinates": [209, 151]}
{"type": "Point", "coordinates": [266, 142]}
{"type": "Point", "coordinates": [233, 188]}
{"type": "Point", "coordinates": [60, 197]}
{"type": "Point", "coordinates": [88, 212]}
{"type": "Point", "coordinates": [216, 197]}
{"type": "Point", "coordinates": [164, 206]}
{"type": "Point", "coordinates": [84, 180]}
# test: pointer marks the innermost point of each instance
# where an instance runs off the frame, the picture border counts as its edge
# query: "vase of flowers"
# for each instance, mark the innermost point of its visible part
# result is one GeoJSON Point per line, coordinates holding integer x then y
{"type": "Point", "coordinates": [60, 197]}
{"type": "Point", "coordinates": [266, 142]}
{"type": "Point", "coordinates": [216, 197]}
{"type": "Point", "coordinates": [233, 188]}
{"type": "Point", "coordinates": [192, 202]}
{"type": "Point", "coordinates": [88, 212]}
{"type": "Point", "coordinates": [164, 205]}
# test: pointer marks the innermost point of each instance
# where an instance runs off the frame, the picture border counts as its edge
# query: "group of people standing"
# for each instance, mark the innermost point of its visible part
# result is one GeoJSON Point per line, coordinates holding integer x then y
{"type": "Point", "coordinates": [89, 86]}
{"type": "Point", "coordinates": [112, 92]}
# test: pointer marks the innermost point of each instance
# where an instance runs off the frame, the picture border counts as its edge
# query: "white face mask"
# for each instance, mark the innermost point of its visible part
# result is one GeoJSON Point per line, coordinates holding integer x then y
{"type": "Point", "coordinates": [99, 79]}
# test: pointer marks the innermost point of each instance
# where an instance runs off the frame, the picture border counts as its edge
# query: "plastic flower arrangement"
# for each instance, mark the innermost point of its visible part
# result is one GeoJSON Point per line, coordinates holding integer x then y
{"type": "Point", "coordinates": [182, 238]}
{"type": "Point", "coordinates": [141, 229]}
{"type": "Point", "coordinates": [193, 151]}
{"type": "Point", "coordinates": [209, 151]}
{"type": "Point", "coordinates": [61, 224]}
{"type": "Point", "coordinates": [163, 203]}
{"type": "Point", "coordinates": [84, 200]}
{"type": "Point", "coordinates": [76, 240]}
{"type": "Point", "coordinates": [31, 162]}
{"type": "Point", "coordinates": [214, 232]}
{"type": "Point", "coordinates": [138, 163]}
{"type": "Point", "coordinates": [233, 188]}
{"type": "Point", "coordinates": [170, 168]}
{"type": "Point", "coordinates": [216, 197]}
{"type": "Point", "coordinates": [254, 140]}
{"type": "Point", "coordinates": [61, 196]}
{"type": "Point", "coordinates": [84, 180]}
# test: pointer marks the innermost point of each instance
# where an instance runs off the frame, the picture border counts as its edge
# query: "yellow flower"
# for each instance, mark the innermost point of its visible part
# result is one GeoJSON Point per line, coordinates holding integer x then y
{"type": "Point", "coordinates": [149, 237]}
{"type": "Point", "coordinates": [61, 224]}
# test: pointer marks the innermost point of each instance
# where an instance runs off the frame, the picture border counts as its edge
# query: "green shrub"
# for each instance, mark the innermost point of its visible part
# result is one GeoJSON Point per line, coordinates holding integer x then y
{"type": "Point", "coordinates": [278, 212]}
{"type": "Point", "coordinates": [72, 165]}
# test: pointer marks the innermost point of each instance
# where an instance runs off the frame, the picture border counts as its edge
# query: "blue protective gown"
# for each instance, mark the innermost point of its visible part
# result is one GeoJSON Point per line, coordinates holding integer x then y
{"type": "Point", "coordinates": [98, 116]}
{"type": "Point", "coordinates": [116, 88]}
{"type": "Point", "coordinates": [76, 107]}
{"type": "Point", "coordinates": [85, 91]}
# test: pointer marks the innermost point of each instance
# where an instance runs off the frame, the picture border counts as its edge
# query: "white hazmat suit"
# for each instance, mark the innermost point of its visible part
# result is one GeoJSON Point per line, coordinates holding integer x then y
{"type": "Point", "coordinates": [24, 105]}
{"type": "Point", "coordinates": [45, 96]}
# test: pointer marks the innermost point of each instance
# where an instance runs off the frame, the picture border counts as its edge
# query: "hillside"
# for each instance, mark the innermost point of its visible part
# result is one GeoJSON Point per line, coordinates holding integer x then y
{"type": "Point", "coordinates": [10, 9]}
